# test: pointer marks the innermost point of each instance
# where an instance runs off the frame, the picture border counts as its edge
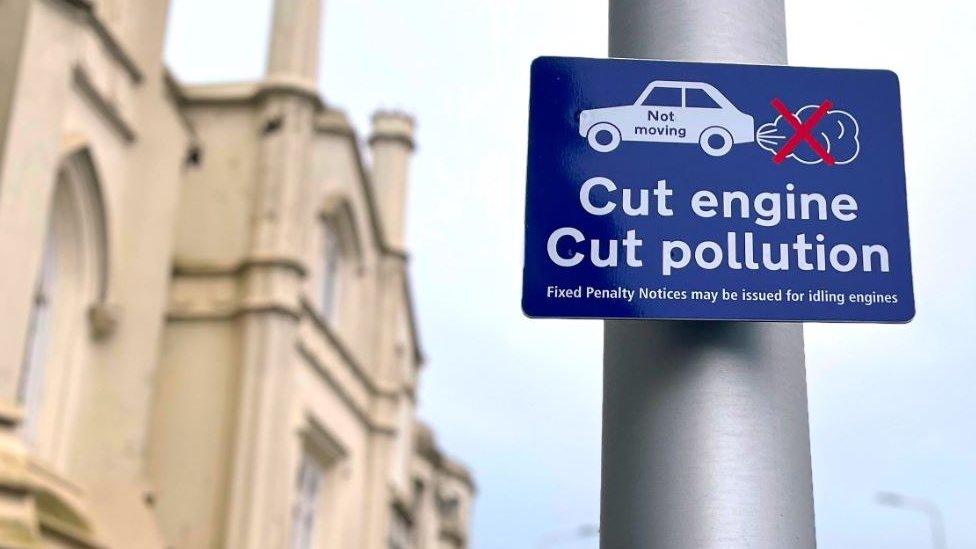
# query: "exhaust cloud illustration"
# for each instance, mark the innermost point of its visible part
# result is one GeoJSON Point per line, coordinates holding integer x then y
{"type": "Point", "coordinates": [838, 132]}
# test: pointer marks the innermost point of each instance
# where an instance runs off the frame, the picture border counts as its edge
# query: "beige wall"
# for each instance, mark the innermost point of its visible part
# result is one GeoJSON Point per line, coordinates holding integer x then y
{"type": "Point", "coordinates": [85, 104]}
{"type": "Point", "coordinates": [189, 366]}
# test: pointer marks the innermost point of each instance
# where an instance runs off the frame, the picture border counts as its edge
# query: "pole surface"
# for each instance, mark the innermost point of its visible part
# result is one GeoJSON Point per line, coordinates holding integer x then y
{"type": "Point", "coordinates": [706, 439]}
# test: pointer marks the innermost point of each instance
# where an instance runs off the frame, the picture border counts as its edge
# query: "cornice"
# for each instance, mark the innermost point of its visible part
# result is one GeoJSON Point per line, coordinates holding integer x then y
{"type": "Point", "coordinates": [189, 268]}
{"type": "Point", "coordinates": [113, 46]}
{"type": "Point", "coordinates": [249, 92]}
{"type": "Point", "coordinates": [104, 107]}
{"type": "Point", "coordinates": [349, 359]}
{"type": "Point", "coordinates": [347, 399]}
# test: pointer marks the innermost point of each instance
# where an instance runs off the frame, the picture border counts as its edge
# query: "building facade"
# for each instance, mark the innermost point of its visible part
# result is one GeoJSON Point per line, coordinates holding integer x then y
{"type": "Point", "coordinates": [208, 338]}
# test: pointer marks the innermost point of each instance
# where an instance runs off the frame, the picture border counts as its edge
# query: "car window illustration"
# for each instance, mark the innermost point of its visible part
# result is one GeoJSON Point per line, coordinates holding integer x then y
{"type": "Point", "coordinates": [664, 97]}
{"type": "Point", "coordinates": [696, 98]}
{"type": "Point", "coordinates": [671, 112]}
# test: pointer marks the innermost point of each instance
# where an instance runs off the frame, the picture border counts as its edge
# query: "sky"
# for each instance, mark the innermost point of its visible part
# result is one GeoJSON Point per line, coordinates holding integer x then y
{"type": "Point", "coordinates": [518, 400]}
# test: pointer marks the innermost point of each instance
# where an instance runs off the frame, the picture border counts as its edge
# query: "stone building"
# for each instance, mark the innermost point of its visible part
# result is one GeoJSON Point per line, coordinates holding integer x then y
{"type": "Point", "coordinates": [208, 338]}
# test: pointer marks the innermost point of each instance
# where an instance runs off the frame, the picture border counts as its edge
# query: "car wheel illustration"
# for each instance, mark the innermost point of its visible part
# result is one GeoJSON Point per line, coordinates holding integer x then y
{"type": "Point", "coordinates": [603, 137]}
{"type": "Point", "coordinates": [716, 141]}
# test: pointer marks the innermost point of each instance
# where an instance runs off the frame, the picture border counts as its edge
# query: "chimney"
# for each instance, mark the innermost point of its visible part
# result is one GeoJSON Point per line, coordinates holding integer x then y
{"type": "Point", "coordinates": [293, 55]}
{"type": "Point", "coordinates": [392, 144]}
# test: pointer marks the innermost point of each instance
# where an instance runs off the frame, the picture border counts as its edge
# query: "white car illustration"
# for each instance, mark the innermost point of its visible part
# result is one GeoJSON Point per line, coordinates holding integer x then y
{"type": "Point", "coordinates": [671, 112]}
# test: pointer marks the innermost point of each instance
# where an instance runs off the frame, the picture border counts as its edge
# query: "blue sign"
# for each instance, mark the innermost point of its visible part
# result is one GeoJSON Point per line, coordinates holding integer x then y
{"type": "Point", "coordinates": [713, 191]}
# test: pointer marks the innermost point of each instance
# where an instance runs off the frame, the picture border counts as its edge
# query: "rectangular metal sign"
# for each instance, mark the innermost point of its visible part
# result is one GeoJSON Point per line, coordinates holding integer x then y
{"type": "Point", "coordinates": [667, 190]}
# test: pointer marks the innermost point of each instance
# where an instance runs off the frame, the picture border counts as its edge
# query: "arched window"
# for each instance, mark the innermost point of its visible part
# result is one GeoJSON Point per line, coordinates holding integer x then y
{"type": "Point", "coordinates": [331, 273]}
{"type": "Point", "coordinates": [335, 258]}
{"type": "Point", "coordinates": [71, 280]}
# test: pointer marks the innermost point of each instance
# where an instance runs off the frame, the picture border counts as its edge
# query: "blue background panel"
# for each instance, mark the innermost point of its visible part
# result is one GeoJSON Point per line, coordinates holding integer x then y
{"type": "Point", "coordinates": [560, 160]}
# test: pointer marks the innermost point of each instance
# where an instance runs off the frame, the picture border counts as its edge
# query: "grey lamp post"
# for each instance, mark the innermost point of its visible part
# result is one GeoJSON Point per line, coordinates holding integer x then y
{"type": "Point", "coordinates": [706, 440]}
{"type": "Point", "coordinates": [931, 510]}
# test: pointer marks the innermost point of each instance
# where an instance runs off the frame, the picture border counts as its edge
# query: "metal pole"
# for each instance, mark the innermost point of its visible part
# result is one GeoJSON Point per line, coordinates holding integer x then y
{"type": "Point", "coordinates": [930, 509]}
{"type": "Point", "coordinates": [706, 438]}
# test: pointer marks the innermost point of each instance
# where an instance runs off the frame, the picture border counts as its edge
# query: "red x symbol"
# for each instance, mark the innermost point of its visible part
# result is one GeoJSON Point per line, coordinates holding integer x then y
{"type": "Point", "coordinates": [803, 132]}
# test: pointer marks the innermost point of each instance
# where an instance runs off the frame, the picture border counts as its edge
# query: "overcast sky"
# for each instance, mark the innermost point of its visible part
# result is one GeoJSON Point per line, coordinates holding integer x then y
{"type": "Point", "coordinates": [892, 407]}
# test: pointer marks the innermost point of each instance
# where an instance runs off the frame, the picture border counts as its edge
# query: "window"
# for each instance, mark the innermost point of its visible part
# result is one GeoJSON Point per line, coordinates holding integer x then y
{"type": "Point", "coordinates": [319, 487]}
{"type": "Point", "coordinates": [418, 493]}
{"type": "Point", "coordinates": [307, 497]}
{"type": "Point", "coordinates": [401, 531]}
{"type": "Point", "coordinates": [335, 254]}
{"type": "Point", "coordinates": [696, 97]}
{"type": "Point", "coordinates": [38, 334]}
{"type": "Point", "coordinates": [71, 279]}
{"type": "Point", "coordinates": [664, 97]}
{"type": "Point", "coordinates": [449, 508]}
{"type": "Point", "coordinates": [331, 274]}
